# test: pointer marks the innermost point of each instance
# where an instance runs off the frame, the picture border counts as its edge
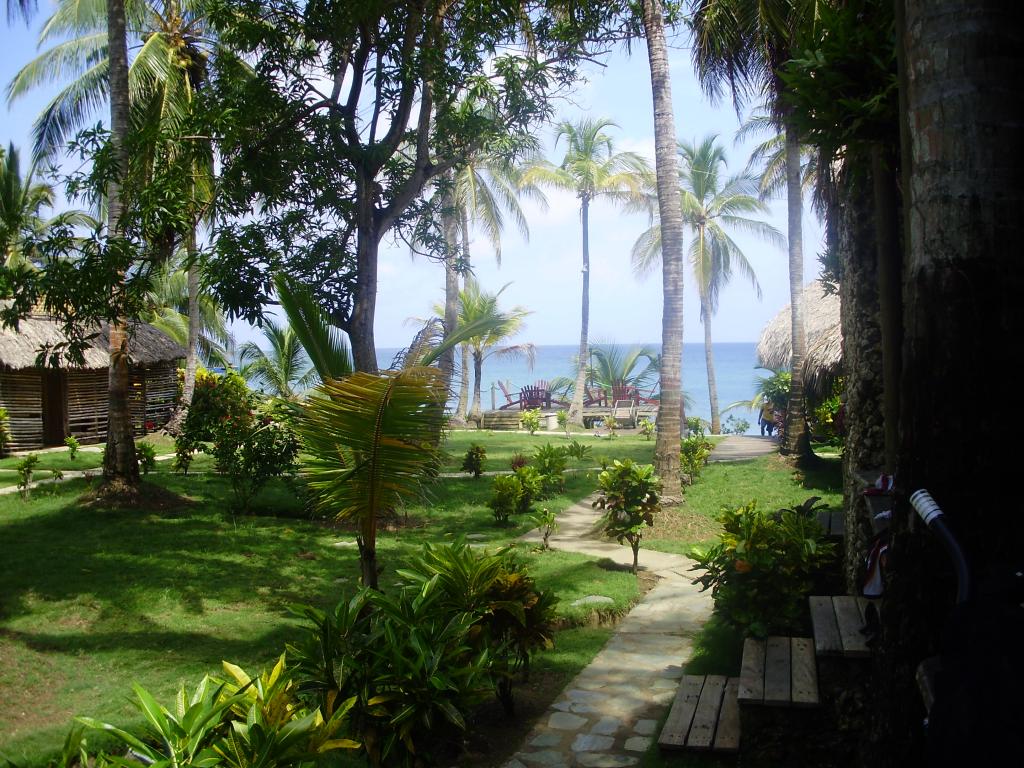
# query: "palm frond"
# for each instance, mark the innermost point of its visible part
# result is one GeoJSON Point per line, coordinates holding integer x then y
{"type": "Point", "coordinates": [326, 345]}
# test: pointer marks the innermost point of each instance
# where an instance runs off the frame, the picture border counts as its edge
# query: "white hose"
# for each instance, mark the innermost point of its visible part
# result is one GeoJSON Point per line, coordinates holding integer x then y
{"type": "Point", "coordinates": [925, 505]}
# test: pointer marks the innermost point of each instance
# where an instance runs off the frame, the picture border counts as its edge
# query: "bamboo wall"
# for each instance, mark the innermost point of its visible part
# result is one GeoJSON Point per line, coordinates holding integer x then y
{"type": "Point", "coordinates": [21, 393]}
{"type": "Point", "coordinates": [152, 397]}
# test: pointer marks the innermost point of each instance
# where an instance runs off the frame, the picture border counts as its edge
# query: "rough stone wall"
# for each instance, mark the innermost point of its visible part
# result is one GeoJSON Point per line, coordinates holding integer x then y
{"type": "Point", "coordinates": [862, 363]}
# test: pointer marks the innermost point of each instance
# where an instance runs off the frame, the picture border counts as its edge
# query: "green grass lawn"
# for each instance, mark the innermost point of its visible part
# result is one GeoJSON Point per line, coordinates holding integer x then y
{"type": "Point", "coordinates": [89, 457]}
{"type": "Point", "coordinates": [92, 599]}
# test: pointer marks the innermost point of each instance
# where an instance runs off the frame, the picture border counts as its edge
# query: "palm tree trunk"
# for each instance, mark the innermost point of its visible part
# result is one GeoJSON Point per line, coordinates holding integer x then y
{"type": "Point", "coordinates": [451, 289]}
{"type": "Point", "coordinates": [194, 321]}
{"type": "Point", "coordinates": [120, 467]}
{"type": "Point", "coordinates": [576, 406]}
{"type": "Point", "coordinates": [478, 369]}
{"type": "Point", "coordinates": [463, 405]}
{"type": "Point", "coordinates": [796, 441]}
{"type": "Point", "coordinates": [670, 410]}
{"type": "Point", "coordinates": [709, 360]}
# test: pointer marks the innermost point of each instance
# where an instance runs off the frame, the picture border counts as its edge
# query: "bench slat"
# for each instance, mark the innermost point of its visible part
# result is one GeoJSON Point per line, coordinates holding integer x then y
{"type": "Point", "coordinates": [677, 726]}
{"type": "Point", "coordinates": [702, 732]}
{"type": "Point", "coordinates": [805, 671]}
{"type": "Point", "coordinates": [826, 632]}
{"type": "Point", "coordinates": [777, 674]}
{"type": "Point", "coordinates": [752, 671]}
{"type": "Point", "coordinates": [727, 737]}
{"type": "Point", "coordinates": [850, 621]}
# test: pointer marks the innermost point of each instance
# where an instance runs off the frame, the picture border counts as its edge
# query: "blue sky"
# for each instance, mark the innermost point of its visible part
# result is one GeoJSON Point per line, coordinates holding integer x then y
{"type": "Point", "coordinates": [545, 272]}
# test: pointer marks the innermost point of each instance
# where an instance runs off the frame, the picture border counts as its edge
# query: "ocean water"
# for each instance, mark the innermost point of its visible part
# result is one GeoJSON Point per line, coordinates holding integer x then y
{"type": "Point", "coordinates": [735, 372]}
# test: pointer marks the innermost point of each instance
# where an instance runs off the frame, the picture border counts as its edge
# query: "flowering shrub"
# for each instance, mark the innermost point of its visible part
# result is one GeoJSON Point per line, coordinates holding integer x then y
{"type": "Point", "coordinates": [763, 567]}
{"type": "Point", "coordinates": [251, 449]}
{"type": "Point", "coordinates": [216, 399]}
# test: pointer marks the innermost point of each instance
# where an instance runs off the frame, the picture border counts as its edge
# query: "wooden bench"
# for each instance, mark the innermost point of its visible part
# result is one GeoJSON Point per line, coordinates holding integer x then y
{"type": "Point", "coordinates": [832, 522]}
{"type": "Point", "coordinates": [779, 672]}
{"type": "Point", "coordinates": [838, 621]}
{"type": "Point", "coordinates": [705, 714]}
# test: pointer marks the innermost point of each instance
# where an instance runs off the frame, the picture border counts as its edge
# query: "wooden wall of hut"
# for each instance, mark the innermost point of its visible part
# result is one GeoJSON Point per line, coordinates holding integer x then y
{"type": "Point", "coordinates": [21, 393]}
{"type": "Point", "coordinates": [153, 396]}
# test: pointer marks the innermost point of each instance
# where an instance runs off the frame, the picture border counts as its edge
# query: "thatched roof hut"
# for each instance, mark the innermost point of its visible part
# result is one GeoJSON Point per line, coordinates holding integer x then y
{"type": "Point", "coordinates": [824, 361]}
{"type": "Point", "coordinates": [46, 404]}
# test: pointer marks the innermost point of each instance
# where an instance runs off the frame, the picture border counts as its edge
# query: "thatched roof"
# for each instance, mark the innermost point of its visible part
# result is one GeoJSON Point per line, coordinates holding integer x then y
{"type": "Point", "coordinates": [824, 339]}
{"type": "Point", "coordinates": [19, 349]}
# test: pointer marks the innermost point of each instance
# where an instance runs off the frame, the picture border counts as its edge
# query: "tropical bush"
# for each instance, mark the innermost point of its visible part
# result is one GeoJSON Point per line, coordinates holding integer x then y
{"type": "Point", "coordinates": [406, 666]}
{"type": "Point", "coordinates": [506, 498]}
{"type": "Point", "coordinates": [216, 400]}
{"type": "Point", "coordinates": [577, 450]}
{"type": "Point", "coordinates": [735, 426]}
{"type": "Point", "coordinates": [250, 449]}
{"type": "Point", "coordinates": [5, 431]}
{"type": "Point", "coordinates": [630, 498]}
{"type": "Point", "coordinates": [546, 522]}
{"type": "Point", "coordinates": [145, 454]}
{"type": "Point", "coordinates": [473, 461]}
{"type": "Point", "coordinates": [518, 460]}
{"type": "Point", "coordinates": [550, 461]}
{"type": "Point", "coordinates": [693, 456]}
{"type": "Point", "coordinates": [696, 426]}
{"type": "Point", "coordinates": [563, 422]}
{"type": "Point", "coordinates": [25, 469]}
{"type": "Point", "coordinates": [764, 565]}
{"type": "Point", "coordinates": [233, 722]}
{"type": "Point", "coordinates": [513, 618]}
{"type": "Point", "coordinates": [531, 484]}
{"type": "Point", "coordinates": [73, 445]}
{"type": "Point", "coordinates": [530, 419]}
{"type": "Point", "coordinates": [646, 428]}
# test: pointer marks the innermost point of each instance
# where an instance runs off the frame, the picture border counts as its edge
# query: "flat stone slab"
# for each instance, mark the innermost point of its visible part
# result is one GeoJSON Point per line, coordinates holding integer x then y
{"type": "Point", "coordinates": [592, 600]}
{"type": "Point", "coordinates": [566, 721]}
{"type": "Point", "coordinates": [591, 742]}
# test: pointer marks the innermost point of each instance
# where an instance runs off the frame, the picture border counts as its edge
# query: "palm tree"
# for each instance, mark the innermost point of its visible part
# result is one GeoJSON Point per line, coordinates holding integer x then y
{"type": "Point", "coordinates": [590, 169]}
{"type": "Point", "coordinates": [477, 308]}
{"type": "Point", "coordinates": [671, 414]}
{"type": "Point", "coordinates": [614, 366]}
{"type": "Point", "coordinates": [741, 44]}
{"type": "Point", "coordinates": [372, 438]}
{"type": "Point", "coordinates": [711, 206]}
{"type": "Point", "coordinates": [170, 301]}
{"type": "Point", "coordinates": [768, 159]}
{"type": "Point", "coordinates": [21, 202]}
{"type": "Point", "coordinates": [285, 370]}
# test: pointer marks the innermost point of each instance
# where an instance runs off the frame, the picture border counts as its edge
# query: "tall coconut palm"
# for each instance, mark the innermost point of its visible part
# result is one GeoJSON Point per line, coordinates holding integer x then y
{"type": "Point", "coordinates": [170, 301]}
{"type": "Point", "coordinates": [478, 308]}
{"type": "Point", "coordinates": [740, 45]}
{"type": "Point", "coordinates": [22, 200]}
{"type": "Point", "coordinates": [591, 169]}
{"type": "Point", "coordinates": [671, 414]}
{"type": "Point", "coordinates": [768, 158]}
{"type": "Point", "coordinates": [284, 370]}
{"type": "Point", "coordinates": [712, 207]}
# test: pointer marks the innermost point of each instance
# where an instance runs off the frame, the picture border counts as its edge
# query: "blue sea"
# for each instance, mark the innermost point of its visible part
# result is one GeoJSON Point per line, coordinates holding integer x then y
{"type": "Point", "coordinates": [735, 372]}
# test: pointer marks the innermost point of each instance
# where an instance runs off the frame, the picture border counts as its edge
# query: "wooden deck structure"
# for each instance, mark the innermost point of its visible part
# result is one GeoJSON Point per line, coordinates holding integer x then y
{"type": "Point", "coordinates": [45, 405]}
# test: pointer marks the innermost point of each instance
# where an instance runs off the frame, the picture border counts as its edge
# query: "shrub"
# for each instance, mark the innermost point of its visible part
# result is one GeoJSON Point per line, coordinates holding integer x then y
{"type": "Point", "coordinates": [763, 567]}
{"type": "Point", "coordinates": [73, 445]}
{"type": "Point", "coordinates": [545, 521]}
{"type": "Point", "coordinates": [145, 453]}
{"type": "Point", "coordinates": [695, 426]}
{"type": "Point", "coordinates": [5, 431]}
{"type": "Point", "coordinates": [550, 460]}
{"type": "Point", "coordinates": [563, 422]}
{"type": "Point", "coordinates": [630, 498]}
{"type": "Point", "coordinates": [25, 468]}
{"type": "Point", "coordinates": [531, 483]}
{"type": "Point", "coordinates": [735, 426]}
{"type": "Point", "coordinates": [530, 419]}
{"type": "Point", "coordinates": [693, 456]}
{"type": "Point", "coordinates": [407, 665]}
{"type": "Point", "coordinates": [508, 493]}
{"type": "Point", "coordinates": [612, 425]}
{"type": "Point", "coordinates": [240, 721]}
{"type": "Point", "coordinates": [577, 450]}
{"type": "Point", "coordinates": [512, 617]}
{"type": "Point", "coordinates": [251, 450]}
{"type": "Point", "coordinates": [216, 400]}
{"type": "Point", "coordinates": [646, 428]}
{"type": "Point", "coordinates": [474, 460]}
{"type": "Point", "coordinates": [518, 460]}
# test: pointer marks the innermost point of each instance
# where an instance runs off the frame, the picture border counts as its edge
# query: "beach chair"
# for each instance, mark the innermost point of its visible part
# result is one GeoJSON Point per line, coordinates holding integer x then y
{"type": "Point", "coordinates": [534, 397]}
{"type": "Point", "coordinates": [510, 401]}
{"type": "Point", "coordinates": [594, 398]}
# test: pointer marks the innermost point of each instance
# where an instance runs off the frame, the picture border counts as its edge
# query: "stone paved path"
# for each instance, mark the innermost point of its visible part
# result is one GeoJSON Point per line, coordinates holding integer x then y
{"type": "Point", "coordinates": [742, 447]}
